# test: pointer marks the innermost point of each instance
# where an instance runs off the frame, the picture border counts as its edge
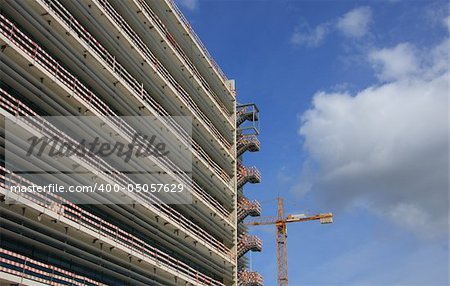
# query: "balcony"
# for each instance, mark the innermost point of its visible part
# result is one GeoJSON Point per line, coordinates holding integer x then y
{"type": "Point", "coordinates": [83, 221]}
{"type": "Point", "coordinates": [176, 17]}
{"type": "Point", "coordinates": [10, 106]}
{"type": "Point", "coordinates": [150, 17]}
{"type": "Point", "coordinates": [145, 53]}
{"type": "Point", "coordinates": [73, 26]}
{"type": "Point", "coordinates": [16, 268]}
{"type": "Point", "coordinates": [40, 59]}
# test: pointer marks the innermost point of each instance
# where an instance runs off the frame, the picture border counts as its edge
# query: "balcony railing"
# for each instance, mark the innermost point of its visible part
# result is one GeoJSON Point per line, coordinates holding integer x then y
{"type": "Point", "coordinates": [131, 243]}
{"type": "Point", "coordinates": [110, 60]}
{"type": "Point", "coordinates": [197, 40]}
{"type": "Point", "coordinates": [32, 119]}
{"type": "Point", "coordinates": [171, 40]}
{"type": "Point", "coordinates": [25, 267]}
{"type": "Point", "coordinates": [59, 74]}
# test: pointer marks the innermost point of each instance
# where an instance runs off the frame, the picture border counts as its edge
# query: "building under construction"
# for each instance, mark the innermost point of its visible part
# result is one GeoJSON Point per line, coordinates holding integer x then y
{"type": "Point", "coordinates": [124, 58]}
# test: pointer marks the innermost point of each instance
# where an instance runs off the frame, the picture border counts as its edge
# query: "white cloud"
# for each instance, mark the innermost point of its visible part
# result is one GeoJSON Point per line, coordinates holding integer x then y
{"type": "Point", "coordinates": [438, 59]}
{"type": "Point", "coordinates": [355, 23]}
{"type": "Point", "coordinates": [447, 23]}
{"type": "Point", "coordinates": [395, 63]}
{"type": "Point", "coordinates": [311, 38]}
{"type": "Point", "coordinates": [189, 4]}
{"type": "Point", "coordinates": [388, 145]}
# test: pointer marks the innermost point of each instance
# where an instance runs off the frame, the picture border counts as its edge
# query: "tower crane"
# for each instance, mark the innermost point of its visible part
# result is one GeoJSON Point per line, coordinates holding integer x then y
{"type": "Point", "coordinates": [280, 222]}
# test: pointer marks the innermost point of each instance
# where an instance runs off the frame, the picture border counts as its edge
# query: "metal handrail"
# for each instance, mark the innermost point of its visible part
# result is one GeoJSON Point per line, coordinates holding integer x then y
{"type": "Point", "coordinates": [197, 40]}
{"type": "Point", "coordinates": [157, 65]}
{"type": "Point", "coordinates": [147, 53]}
{"type": "Point", "coordinates": [22, 266]}
{"type": "Point", "coordinates": [163, 29]}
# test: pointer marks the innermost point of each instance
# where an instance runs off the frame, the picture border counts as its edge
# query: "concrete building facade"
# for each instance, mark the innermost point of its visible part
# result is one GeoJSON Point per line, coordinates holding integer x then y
{"type": "Point", "coordinates": [123, 58]}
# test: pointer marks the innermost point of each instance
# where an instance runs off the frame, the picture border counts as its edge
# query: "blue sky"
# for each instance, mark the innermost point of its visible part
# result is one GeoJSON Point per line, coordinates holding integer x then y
{"type": "Point", "coordinates": [354, 120]}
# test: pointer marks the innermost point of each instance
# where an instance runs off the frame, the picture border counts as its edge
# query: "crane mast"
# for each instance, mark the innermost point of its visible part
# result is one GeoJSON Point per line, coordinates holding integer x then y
{"type": "Point", "coordinates": [281, 245]}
